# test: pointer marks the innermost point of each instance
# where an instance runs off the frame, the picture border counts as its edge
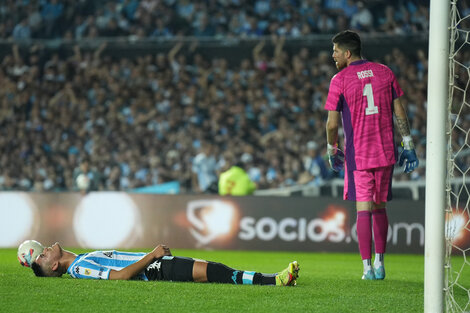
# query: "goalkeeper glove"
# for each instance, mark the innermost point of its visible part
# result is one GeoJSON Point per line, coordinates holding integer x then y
{"type": "Point", "coordinates": [335, 157]}
{"type": "Point", "coordinates": [408, 156]}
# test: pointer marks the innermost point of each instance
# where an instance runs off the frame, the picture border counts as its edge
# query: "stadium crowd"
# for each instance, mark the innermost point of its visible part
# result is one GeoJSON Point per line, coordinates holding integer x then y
{"type": "Point", "coordinates": [178, 116]}
{"type": "Point", "coordinates": [73, 19]}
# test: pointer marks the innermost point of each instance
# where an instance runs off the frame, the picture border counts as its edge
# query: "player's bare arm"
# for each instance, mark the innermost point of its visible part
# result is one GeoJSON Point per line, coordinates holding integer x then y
{"type": "Point", "coordinates": [408, 156]}
{"type": "Point", "coordinates": [332, 125]}
{"type": "Point", "coordinates": [401, 118]}
{"type": "Point", "coordinates": [335, 156]}
{"type": "Point", "coordinates": [139, 266]}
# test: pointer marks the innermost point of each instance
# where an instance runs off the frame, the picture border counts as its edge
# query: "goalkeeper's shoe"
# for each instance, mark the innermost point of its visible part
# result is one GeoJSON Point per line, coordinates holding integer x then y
{"type": "Point", "coordinates": [369, 275]}
{"type": "Point", "coordinates": [288, 276]}
{"type": "Point", "coordinates": [379, 272]}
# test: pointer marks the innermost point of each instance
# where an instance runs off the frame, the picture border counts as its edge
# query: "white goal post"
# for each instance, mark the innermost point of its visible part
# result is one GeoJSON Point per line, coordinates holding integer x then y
{"type": "Point", "coordinates": [436, 155]}
{"type": "Point", "coordinates": [447, 221]}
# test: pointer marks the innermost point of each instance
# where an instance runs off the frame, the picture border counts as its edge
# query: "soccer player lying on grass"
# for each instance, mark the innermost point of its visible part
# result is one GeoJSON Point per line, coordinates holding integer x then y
{"type": "Point", "coordinates": [159, 264]}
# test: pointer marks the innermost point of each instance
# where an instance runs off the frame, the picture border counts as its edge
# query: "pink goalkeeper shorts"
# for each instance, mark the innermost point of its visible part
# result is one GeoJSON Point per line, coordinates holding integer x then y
{"type": "Point", "coordinates": [369, 185]}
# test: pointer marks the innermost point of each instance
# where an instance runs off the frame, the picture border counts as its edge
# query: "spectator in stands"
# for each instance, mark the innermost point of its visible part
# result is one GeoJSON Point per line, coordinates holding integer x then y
{"type": "Point", "coordinates": [315, 169]}
{"type": "Point", "coordinates": [51, 12]}
{"type": "Point", "coordinates": [87, 174]}
{"type": "Point", "coordinates": [204, 168]}
{"type": "Point", "coordinates": [325, 23]}
{"type": "Point", "coordinates": [22, 30]}
{"type": "Point", "coordinates": [362, 20]}
{"type": "Point", "coordinates": [236, 182]}
{"type": "Point", "coordinates": [63, 107]}
{"type": "Point", "coordinates": [184, 18]}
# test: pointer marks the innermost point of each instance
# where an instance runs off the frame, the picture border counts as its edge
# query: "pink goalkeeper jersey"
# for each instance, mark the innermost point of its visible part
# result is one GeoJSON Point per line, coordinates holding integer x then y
{"type": "Point", "coordinates": [364, 92]}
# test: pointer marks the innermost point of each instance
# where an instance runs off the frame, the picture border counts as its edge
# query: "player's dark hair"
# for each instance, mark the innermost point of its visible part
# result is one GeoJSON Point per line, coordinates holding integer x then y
{"type": "Point", "coordinates": [37, 270]}
{"type": "Point", "coordinates": [348, 40]}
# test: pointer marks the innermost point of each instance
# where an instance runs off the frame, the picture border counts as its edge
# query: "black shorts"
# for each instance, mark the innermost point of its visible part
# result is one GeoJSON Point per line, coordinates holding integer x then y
{"type": "Point", "coordinates": [171, 268]}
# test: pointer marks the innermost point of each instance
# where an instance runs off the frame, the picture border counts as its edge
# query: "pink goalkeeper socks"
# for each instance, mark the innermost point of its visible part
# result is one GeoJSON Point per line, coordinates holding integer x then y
{"type": "Point", "coordinates": [364, 233]}
{"type": "Point", "coordinates": [380, 222]}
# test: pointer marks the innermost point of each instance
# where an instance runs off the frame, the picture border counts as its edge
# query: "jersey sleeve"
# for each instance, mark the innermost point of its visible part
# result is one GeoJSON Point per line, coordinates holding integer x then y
{"type": "Point", "coordinates": [396, 89]}
{"type": "Point", "coordinates": [89, 270]}
{"type": "Point", "coordinates": [334, 101]}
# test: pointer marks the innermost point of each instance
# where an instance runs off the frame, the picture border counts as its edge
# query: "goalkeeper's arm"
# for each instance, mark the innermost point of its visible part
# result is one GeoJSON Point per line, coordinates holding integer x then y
{"type": "Point", "coordinates": [408, 156]}
{"type": "Point", "coordinates": [332, 125]}
{"type": "Point", "coordinates": [335, 156]}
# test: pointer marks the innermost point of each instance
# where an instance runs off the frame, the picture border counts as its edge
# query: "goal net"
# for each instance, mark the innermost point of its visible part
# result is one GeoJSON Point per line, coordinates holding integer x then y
{"type": "Point", "coordinates": [457, 230]}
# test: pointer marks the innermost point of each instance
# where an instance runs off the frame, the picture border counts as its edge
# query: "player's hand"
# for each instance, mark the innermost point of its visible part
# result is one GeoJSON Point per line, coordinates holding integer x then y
{"type": "Point", "coordinates": [161, 250]}
{"type": "Point", "coordinates": [336, 160]}
{"type": "Point", "coordinates": [409, 158]}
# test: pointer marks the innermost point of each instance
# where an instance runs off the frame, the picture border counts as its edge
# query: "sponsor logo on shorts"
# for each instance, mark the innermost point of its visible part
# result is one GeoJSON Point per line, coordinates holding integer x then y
{"type": "Point", "coordinates": [109, 254]}
{"type": "Point", "coordinates": [155, 265]}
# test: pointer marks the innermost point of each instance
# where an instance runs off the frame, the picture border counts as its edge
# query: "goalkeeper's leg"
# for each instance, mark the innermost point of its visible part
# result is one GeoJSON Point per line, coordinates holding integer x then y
{"type": "Point", "coordinates": [383, 178]}
{"type": "Point", "coordinates": [364, 237]}
{"type": "Point", "coordinates": [380, 227]}
{"type": "Point", "coordinates": [361, 187]}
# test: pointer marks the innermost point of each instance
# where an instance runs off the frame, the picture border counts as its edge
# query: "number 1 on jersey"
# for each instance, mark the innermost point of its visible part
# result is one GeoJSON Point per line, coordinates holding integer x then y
{"type": "Point", "coordinates": [371, 108]}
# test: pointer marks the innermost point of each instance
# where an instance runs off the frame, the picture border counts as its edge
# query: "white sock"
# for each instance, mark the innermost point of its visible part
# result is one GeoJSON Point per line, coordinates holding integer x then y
{"type": "Point", "coordinates": [367, 265]}
{"type": "Point", "coordinates": [379, 260]}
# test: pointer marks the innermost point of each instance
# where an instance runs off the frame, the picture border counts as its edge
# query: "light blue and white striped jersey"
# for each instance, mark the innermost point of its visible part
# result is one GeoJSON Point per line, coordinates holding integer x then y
{"type": "Point", "coordinates": [98, 264]}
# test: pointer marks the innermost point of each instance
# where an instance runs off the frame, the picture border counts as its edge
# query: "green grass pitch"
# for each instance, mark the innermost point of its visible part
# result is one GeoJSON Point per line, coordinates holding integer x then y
{"type": "Point", "coordinates": [327, 283]}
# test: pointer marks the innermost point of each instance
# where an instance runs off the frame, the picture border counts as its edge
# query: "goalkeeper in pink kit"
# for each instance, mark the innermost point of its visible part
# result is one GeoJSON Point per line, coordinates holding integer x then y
{"type": "Point", "coordinates": [366, 95]}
